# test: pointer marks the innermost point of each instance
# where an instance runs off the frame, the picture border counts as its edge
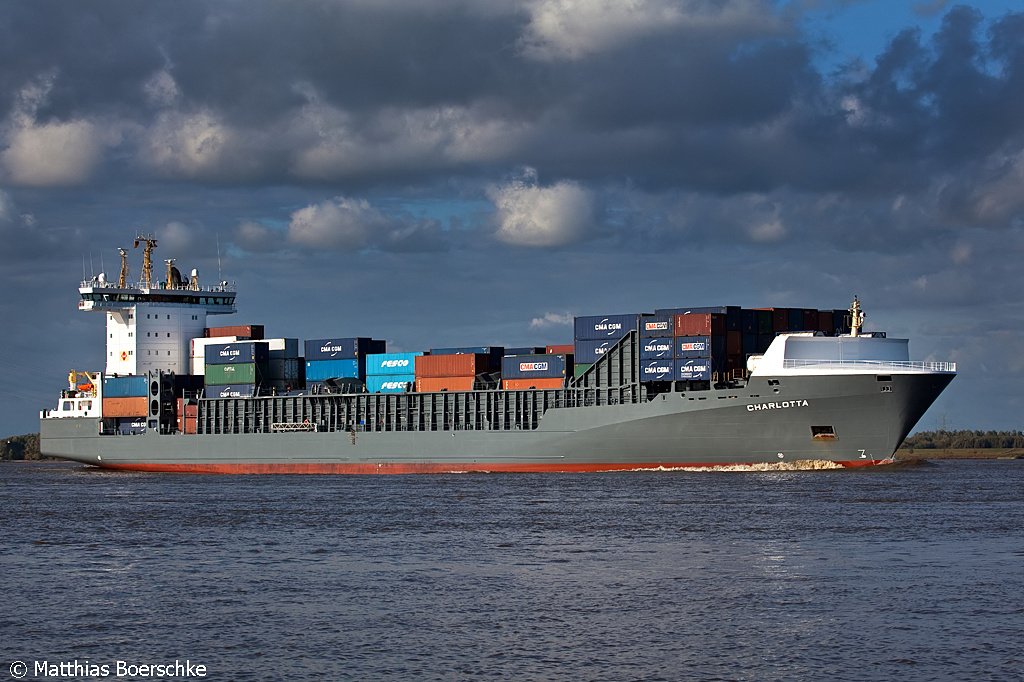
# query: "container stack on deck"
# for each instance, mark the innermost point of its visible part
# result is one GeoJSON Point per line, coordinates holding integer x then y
{"type": "Point", "coordinates": [538, 370]}
{"type": "Point", "coordinates": [236, 370]}
{"type": "Point", "coordinates": [456, 369]}
{"type": "Point", "coordinates": [391, 372]}
{"type": "Point", "coordinates": [595, 335]}
{"type": "Point", "coordinates": [126, 400]}
{"type": "Point", "coordinates": [339, 358]}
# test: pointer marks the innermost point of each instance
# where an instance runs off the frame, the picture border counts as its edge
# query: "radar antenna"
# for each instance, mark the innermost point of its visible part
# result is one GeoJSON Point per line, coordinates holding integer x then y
{"type": "Point", "coordinates": [147, 258]}
{"type": "Point", "coordinates": [856, 317]}
{"type": "Point", "coordinates": [122, 280]}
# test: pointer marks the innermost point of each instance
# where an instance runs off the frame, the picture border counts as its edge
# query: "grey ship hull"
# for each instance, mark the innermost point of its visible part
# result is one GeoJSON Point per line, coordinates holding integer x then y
{"type": "Point", "coordinates": [759, 423]}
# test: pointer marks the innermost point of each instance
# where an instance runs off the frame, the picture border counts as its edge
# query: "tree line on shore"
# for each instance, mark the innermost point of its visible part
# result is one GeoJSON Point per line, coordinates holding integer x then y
{"type": "Point", "coordinates": [24, 447]}
{"type": "Point", "coordinates": [956, 440]}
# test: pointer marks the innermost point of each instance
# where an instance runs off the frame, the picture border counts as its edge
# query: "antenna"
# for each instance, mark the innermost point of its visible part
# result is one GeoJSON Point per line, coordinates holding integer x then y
{"type": "Point", "coordinates": [220, 275]}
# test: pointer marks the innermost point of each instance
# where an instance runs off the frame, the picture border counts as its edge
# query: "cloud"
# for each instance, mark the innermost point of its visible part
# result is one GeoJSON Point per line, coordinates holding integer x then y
{"type": "Point", "coordinates": [530, 215]}
{"type": "Point", "coordinates": [337, 224]}
{"type": "Point", "coordinates": [161, 89]}
{"type": "Point", "coordinates": [552, 320]}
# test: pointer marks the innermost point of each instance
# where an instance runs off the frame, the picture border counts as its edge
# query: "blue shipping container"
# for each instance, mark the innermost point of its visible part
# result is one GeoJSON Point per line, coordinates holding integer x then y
{"type": "Point", "coordinates": [652, 349]}
{"type": "Point", "coordinates": [231, 391]}
{"type": "Point", "coordinates": [655, 326]}
{"type": "Point", "coordinates": [237, 352]}
{"type": "Point", "coordinates": [343, 348]}
{"type": "Point", "coordinates": [693, 347]}
{"type": "Point", "coordinates": [693, 370]}
{"type": "Point", "coordinates": [589, 351]}
{"type": "Point", "coordinates": [605, 326]}
{"type": "Point", "coordinates": [657, 370]}
{"type": "Point", "coordinates": [319, 370]}
{"type": "Point", "coordinates": [391, 363]}
{"type": "Point", "coordinates": [535, 366]}
{"type": "Point", "coordinates": [390, 383]}
{"type": "Point", "coordinates": [125, 387]}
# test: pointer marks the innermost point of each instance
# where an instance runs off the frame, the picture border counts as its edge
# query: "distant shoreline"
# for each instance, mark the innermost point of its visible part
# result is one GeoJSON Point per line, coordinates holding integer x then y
{"type": "Point", "coordinates": [908, 454]}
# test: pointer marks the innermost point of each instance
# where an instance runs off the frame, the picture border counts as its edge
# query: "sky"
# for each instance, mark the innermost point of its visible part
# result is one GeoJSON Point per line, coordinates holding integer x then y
{"type": "Point", "coordinates": [456, 172]}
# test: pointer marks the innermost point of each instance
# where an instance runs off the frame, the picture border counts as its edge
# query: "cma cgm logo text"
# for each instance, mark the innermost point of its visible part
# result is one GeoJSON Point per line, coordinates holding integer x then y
{"type": "Point", "coordinates": [656, 326]}
{"type": "Point", "coordinates": [230, 352]}
{"type": "Point", "coordinates": [533, 366]}
{"type": "Point", "coordinates": [394, 363]}
{"type": "Point", "coordinates": [659, 345]}
{"type": "Point", "coordinates": [657, 370]}
{"type": "Point", "coordinates": [331, 349]}
{"type": "Point", "coordinates": [392, 385]}
{"type": "Point", "coordinates": [606, 326]}
{"type": "Point", "coordinates": [693, 346]}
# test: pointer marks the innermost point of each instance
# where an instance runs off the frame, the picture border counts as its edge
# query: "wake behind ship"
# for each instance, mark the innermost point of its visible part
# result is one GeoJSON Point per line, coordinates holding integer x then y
{"type": "Point", "coordinates": [680, 387]}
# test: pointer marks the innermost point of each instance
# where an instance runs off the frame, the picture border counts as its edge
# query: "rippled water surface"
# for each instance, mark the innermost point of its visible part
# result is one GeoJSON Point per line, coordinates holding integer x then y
{"type": "Point", "coordinates": [912, 573]}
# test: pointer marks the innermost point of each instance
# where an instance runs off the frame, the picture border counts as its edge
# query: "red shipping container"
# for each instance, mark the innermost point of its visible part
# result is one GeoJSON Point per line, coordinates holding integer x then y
{"type": "Point", "coordinates": [462, 365]}
{"type": "Point", "coordinates": [523, 384]}
{"type": "Point", "coordinates": [699, 324]}
{"type": "Point", "coordinates": [191, 424]}
{"type": "Point", "coordinates": [242, 331]}
{"type": "Point", "coordinates": [438, 384]}
{"type": "Point", "coordinates": [561, 349]}
{"type": "Point", "coordinates": [125, 407]}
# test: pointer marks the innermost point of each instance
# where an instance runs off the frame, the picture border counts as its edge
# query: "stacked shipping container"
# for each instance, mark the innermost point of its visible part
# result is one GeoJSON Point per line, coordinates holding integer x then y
{"type": "Point", "coordinates": [339, 358]}
{"type": "Point", "coordinates": [452, 371]}
{"type": "Point", "coordinates": [535, 371]}
{"type": "Point", "coordinates": [391, 372]}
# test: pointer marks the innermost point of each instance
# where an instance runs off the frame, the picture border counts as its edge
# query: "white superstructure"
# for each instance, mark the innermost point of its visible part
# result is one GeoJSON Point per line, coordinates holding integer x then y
{"type": "Point", "coordinates": [150, 324]}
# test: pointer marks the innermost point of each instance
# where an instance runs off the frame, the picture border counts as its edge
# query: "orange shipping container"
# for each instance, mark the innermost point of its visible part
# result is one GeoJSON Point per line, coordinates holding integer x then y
{"type": "Point", "coordinates": [242, 331]}
{"type": "Point", "coordinates": [562, 349]}
{"type": "Point", "coordinates": [125, 407]}
{"type": "Point", "coordinates": [191, 424]}
{"type": "Point", "coordinates": [699, 324]}
{"type": "Point", "coordinates": [462, 365]}
{"type": "Point", "coordinates": [522, 384]}
{"type": "Point", "coordinates": [437, 384]}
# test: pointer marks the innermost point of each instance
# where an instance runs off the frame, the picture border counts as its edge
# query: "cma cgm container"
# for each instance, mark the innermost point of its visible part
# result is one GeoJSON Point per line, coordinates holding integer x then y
{"type": "Point", "coordinates": [654, 326]}
{"type": "Point", "coordinates": [391, 363]}
{"type": "Point", "coordinates": [125, 387]}
{"type": "Point", "coordinates": [588, 351]}
{"type": "Point", "coordinates": [230, 391]}
{"type": "Point", "coordinates": [654, 349]}
{"type": "Point", "coordinates": [340, 348]}
{"type": "Point", "coordinates": [130, 426]}
{"type": "Point", "coordinates": [237, 352]}
{"type": "Point", "coordinates": [457, 365]}
{"type": "Point", "coordinates": [348, 368]}
{"type": "Point", "coordinates": [390, 383]}
{"type": "Point", "coordinates": [693, 370]}
{"type": "Point", "coordinates": [693, 347]}
{"type": "Point", "coordinates": [605, 326]}
{"type": "Point", "coordinates": [657, 370]}
{"type": "Point", "coordinates": [530, 366]}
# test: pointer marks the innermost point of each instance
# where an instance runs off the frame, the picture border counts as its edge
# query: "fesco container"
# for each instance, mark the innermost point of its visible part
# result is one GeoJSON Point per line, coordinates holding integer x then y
{"type": "Point", "coordinates": [605, 326]}
{"type": "Point", "coordinates": [390, 383]}
{"type": "Point", "coordinates": [653, 349]}
{"type": "Point", "coordinates": [657, 370]}
{"type": "Point", "coordinates": [125, 387]}
{"type": "Point", "coordinates": [654, 326]}
{"type": "Point", "coordinates": [237, 352]}
{"type": "Point", "coordinates": [530, 366]}
{"type": "Point", "coordinates": [391, 363]}
{"type": "Point", "coordinates": [342, 348]}
{"type": "Point", "coordinates": [231, 391]}
{"type": "Point", "coordinates": [349, 368]}
{"type": "Point", "coordinates": [693, 370]}
{"type": "Point", "coordinates": [692, 347]}
{"type": "Point", "coordinates": [589, 351]}
{"type": "Point", "coordinates": [239, 373]}
{"type": "Point", "coordinates": [455, 365]}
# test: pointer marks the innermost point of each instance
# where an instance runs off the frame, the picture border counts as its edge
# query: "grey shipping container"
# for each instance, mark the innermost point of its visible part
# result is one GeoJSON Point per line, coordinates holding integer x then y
{"type": "Point", "coordinates": [535, 366]}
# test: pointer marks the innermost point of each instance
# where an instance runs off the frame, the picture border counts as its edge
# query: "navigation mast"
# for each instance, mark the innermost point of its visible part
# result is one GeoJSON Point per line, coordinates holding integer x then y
{"type": "Point", "coordinates": [147, 258]}
{"type": "Point", "coordinates": [856, 317]}
{"type": "Point", "coordinates": [122, 280]}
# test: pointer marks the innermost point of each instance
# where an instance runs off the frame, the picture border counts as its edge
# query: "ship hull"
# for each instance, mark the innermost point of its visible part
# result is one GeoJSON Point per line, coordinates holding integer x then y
{"type": "Point", "coordinates": [760, 424]}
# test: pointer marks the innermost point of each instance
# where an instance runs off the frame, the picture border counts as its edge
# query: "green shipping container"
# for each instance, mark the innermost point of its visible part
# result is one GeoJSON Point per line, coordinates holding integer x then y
{"type": "Point", "coordinates": [220, 375]}
{"type": "Point", "coordinates": [581, 368]}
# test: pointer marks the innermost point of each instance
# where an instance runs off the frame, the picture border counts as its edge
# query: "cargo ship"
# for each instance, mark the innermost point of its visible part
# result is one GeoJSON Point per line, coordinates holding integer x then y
{"type": "Point", "coordinates": [678, 388]}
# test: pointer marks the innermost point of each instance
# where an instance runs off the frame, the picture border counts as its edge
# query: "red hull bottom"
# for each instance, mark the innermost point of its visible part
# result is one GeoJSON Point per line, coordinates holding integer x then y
{"type": "Point", "coordinates": [488, 467]}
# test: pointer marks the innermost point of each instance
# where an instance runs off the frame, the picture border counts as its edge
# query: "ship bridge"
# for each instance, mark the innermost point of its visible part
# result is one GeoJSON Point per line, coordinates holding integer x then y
{"type": "Point", "coordinates": [150, 322]}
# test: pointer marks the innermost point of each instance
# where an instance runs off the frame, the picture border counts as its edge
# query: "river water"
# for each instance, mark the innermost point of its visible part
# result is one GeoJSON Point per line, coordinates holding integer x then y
{"type": "Point", "coordinates": [905, 573]}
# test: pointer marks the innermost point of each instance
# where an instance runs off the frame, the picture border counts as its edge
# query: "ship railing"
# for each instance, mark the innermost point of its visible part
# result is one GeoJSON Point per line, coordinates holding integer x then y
{"type": "Point", "coordinates": [226, 287]}
{"type": "Point", "coordinates": [882, 365]}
